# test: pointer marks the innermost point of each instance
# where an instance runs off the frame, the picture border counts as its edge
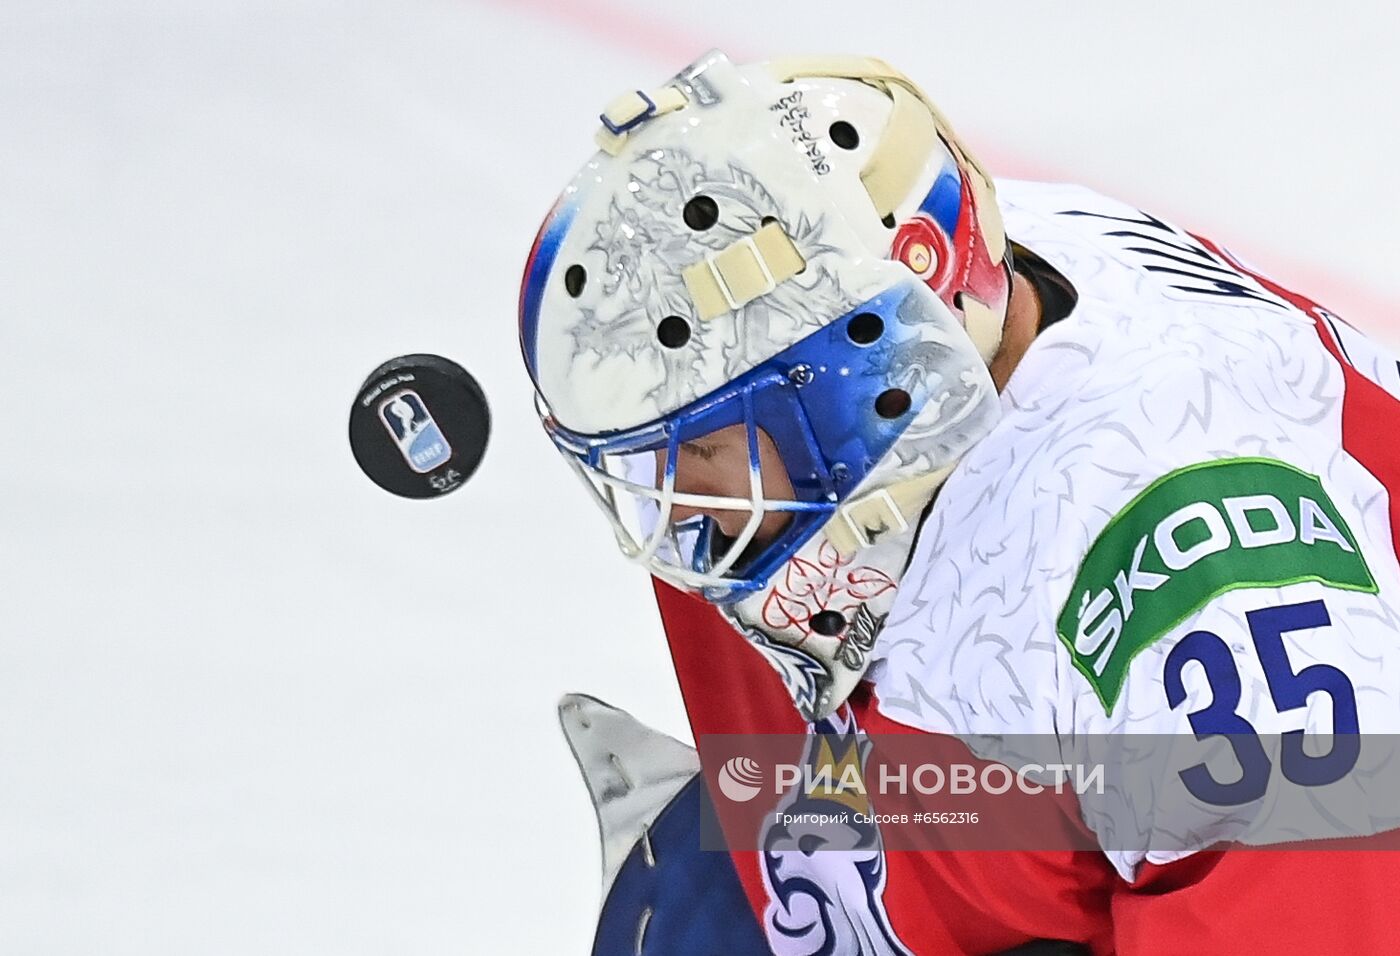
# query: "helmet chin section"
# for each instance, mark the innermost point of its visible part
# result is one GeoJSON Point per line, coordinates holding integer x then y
{"type": "Point", "coordinates": [818, 620]}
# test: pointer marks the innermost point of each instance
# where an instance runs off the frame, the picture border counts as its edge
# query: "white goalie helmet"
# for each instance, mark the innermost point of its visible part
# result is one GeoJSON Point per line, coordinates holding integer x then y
{"type": "Point", "coordinates": [798, 254]}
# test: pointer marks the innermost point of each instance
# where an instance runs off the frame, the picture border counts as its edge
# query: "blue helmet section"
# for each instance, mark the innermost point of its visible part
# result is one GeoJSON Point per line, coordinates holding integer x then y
{"type": "Point", "coordinates": [817, 400]}
{"type": "Point", "coordinates": [943, 204]}
{"type": "Point", "coordinates": [686, 902]}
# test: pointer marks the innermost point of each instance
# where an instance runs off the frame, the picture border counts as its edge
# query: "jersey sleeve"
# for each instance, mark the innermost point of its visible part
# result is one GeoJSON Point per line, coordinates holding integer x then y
{"type": "Point", "coordinates": [1262, 901]}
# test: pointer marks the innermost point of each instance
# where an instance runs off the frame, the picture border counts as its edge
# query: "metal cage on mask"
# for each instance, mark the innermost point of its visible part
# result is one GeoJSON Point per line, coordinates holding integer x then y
{"type": "Point", "coordinates": [825, 402]}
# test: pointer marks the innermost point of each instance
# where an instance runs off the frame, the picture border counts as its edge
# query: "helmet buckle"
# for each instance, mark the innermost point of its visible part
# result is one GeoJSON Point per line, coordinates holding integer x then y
{"type": "Point", "coordinates": [631, 110]}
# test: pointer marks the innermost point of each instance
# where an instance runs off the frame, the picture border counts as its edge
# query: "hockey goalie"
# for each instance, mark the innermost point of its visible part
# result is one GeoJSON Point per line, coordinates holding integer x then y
{"type": "Point", "coordinates": [913, 452]}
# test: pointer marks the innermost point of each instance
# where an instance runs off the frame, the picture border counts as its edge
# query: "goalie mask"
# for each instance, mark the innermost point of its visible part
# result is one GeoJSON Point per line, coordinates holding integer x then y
{"type": "Point", "coordinates": [759, 323]}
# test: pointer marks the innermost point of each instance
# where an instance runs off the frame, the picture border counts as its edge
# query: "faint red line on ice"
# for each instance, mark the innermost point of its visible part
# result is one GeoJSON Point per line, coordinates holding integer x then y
{"type": "Point", "coordinates": [622, 28]}
{"type": "Point", "coordinates": [675, 46]}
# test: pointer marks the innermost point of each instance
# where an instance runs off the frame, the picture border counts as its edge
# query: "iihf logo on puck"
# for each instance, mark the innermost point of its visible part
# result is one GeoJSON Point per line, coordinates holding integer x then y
{"type": "Point", "coordinates": [419, 426]}
{"type": "Point", "coordinates": [740, 779]}
{"type": "Point", "coordinates": [419, 439]}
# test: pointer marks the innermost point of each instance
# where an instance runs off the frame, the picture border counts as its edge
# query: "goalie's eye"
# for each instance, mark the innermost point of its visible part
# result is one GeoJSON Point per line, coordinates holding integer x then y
{"type": "Point", "coordinates": [700, 448]}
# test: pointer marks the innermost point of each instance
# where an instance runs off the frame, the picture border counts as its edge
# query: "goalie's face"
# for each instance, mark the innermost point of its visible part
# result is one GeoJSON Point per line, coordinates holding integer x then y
{"type": "Point", "coordinates": [717, 465]}
{"type": "Point", "coordinates": [716, 496]}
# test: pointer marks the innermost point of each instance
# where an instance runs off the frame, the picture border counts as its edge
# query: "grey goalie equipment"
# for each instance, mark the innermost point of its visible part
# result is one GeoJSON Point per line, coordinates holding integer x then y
{"type": "Point", "coordinates": [632, 772]}
{"type": "Point", "coordinates": [663, 895]}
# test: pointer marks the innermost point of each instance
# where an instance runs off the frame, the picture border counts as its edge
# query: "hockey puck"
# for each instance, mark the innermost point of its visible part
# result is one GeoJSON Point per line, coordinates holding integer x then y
{"type": "Point", "coordinates": [419, 426]}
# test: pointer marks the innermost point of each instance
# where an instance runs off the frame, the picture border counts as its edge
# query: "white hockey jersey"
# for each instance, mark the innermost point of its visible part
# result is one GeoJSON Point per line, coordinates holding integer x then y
{"type": "Point", "coordinates": [1184, 524]}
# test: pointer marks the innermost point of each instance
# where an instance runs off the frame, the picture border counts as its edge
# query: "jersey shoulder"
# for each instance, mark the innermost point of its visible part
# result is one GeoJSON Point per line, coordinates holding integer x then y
{"type": "Point", "coordinates": [1174, 530]}
{"type": "Point", "coordinates": [1120, 256]}
{"type": "Point", "coordinates": [976, 642]}
{"type": "Point", "coordinates": [1127, 390]}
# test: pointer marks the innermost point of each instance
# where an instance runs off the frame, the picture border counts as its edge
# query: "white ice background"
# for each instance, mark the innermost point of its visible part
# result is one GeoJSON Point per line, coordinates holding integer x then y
{"type": "Point", "coordinates": [251, 704]}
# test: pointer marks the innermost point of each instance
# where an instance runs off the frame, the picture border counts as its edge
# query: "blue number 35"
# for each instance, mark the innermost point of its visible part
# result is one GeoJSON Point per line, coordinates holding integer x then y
{"type": "Point", "coordinates": [1289, 690]}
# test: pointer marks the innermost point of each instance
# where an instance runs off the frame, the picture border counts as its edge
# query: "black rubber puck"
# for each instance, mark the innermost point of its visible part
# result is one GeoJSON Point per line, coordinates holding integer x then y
{"type": "Point", "coordinates": [419, 426]}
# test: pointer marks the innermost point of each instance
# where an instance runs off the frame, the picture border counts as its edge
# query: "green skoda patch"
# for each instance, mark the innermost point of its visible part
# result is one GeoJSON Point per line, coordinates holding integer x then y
{"type": "Point", "coordinates": [1189, 537]}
